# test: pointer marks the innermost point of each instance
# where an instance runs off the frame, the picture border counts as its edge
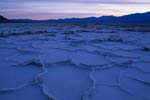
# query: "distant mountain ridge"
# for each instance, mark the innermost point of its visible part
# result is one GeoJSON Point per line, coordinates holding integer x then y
{"type": "Point", "coordinates": [131, 18]}
{"type": "Point", "coordinates": [3, 19]}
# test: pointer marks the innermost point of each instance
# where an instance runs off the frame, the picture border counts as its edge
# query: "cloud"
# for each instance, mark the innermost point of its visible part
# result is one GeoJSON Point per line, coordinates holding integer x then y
{"type": "Point", "coordinates": [49, 9]}
{"type": "Point", "coordinates": [86, 1]}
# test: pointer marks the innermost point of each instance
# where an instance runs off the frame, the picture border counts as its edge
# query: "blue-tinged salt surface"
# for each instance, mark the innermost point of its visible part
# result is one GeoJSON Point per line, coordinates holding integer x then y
{"type": "Point", "coordinates": [74, 61]}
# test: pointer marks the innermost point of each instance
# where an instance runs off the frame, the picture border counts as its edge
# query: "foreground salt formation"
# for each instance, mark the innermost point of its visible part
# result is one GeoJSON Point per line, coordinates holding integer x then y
{"type": "Point", "coordinates": [74, 62]}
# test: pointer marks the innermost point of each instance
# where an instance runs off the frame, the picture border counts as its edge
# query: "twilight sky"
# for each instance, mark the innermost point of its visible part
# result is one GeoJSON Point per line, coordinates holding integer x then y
{"type": "Point", "coordinates": [54, 9]}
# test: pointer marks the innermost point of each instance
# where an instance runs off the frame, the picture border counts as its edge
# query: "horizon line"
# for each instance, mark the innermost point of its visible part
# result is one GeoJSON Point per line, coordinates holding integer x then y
{"type": "Point", "coordinates": [73, 17]}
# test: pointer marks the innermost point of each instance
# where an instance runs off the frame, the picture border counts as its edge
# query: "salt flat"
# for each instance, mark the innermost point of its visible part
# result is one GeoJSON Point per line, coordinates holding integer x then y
{"type": "Point", "coordinates": [74, 61]}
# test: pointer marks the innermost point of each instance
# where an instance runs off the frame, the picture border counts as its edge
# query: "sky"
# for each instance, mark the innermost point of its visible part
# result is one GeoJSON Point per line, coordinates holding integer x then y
{"type": "Point", "coordinates": [56, 9]}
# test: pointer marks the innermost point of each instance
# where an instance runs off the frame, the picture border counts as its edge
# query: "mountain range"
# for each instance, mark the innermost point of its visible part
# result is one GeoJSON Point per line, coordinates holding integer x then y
{"type": "Point", "coordinates": [131, 18]}
{"type": "Point", "coordinates": [3, 19]}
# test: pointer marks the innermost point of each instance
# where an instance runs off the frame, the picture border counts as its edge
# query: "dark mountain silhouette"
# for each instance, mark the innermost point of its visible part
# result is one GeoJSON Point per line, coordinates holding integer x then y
{"type": "Point", "coordinates": [3, 19]}
{"type": "Point", "coordinates": [132, 18]}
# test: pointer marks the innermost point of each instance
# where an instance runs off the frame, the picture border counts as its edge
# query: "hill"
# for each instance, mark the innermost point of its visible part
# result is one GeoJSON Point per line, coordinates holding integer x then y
{"type": "Point", "coordinates": [3, 19]}
{"type": "Point", "coordinates": [131, 18]}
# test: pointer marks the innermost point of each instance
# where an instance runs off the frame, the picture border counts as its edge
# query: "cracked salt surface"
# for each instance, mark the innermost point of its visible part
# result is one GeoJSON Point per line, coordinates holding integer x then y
{"type": "Point", "coordinates": [66, 61]}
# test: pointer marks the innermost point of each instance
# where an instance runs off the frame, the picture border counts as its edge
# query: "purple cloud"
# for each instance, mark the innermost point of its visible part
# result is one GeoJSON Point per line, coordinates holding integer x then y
{"type": "Point", "coordinates": [86, 1]}
{"type": "Point", "coordinates": [45, 9]}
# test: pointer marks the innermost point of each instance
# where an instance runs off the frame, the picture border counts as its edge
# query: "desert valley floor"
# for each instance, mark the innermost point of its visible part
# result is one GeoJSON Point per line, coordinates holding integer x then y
{"type": "Point", "coordinates": [74, 61]}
